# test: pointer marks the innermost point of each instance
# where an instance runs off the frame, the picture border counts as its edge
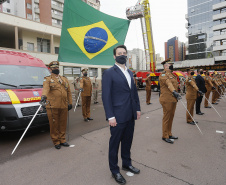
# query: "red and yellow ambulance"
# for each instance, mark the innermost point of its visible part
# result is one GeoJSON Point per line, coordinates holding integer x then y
{"type": "Point", "coordinates": [21, 83]}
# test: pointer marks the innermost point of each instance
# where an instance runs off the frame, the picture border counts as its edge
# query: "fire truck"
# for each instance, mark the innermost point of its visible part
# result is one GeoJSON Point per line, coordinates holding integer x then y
{"type": "Point", "coordinates": [21, 83]}
{"type": "Point", "coordinates": [142, 75]}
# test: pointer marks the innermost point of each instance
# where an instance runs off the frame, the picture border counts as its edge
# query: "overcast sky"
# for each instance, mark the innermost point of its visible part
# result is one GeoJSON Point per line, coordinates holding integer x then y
{"type": "Point", "coordinates": [168, 20]}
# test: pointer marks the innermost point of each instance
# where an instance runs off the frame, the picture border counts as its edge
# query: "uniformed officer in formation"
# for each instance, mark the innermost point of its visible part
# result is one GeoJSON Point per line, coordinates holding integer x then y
{"type": "Point", "coordinates": [148, 89]}
{"type": "Point", "coordinates": [86, 89]}
{"type": "Point", "coordinates": [182, 85]}
{"type": "Point", "coordinates": [76, 84]}
{"type": "Point", "coordinates": [95, 89]}
{"type": "Point", "coordinates": [219, 86]}
{"type": "Point", "coordinates": [209, 88]}
{"type": "Point", "coordinates": [223, 83]}
{"type": "Point", "coordinates": [57, 94]}
{"type": "Point", "coordinates": [168, 99]}
{"type": "Point", "coordinates": [135, 78]}
{"type": "Point", "coordinates": [215, 91]}
{"type": "Point", "coordinates": [191, 96]}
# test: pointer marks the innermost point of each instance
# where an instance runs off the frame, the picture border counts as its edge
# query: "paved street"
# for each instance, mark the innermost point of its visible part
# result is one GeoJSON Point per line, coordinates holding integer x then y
{"type": "Point", "coordinates": [192, 159]}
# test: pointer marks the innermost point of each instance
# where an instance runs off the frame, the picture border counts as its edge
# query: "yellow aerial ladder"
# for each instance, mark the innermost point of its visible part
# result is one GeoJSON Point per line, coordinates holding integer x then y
{"type": "Point", "coordinates": [142, 10]}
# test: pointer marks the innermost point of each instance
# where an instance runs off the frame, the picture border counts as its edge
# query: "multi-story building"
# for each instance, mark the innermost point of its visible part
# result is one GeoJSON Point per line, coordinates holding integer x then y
{"type": "Point", "coordinates": [137, 60]}
{"type": "Point", "coordinates": [175, 49]}
{"type": "Point", "coordinates": [219, 30]}
{"type": "Point", "coordinates": [200, 32]}
{"type": "Point", "coordinates": [48, 11]}
{"type": "Point", "coordinates": [159, 59]}
{"type": "Point", "coordinates": [34, 27]}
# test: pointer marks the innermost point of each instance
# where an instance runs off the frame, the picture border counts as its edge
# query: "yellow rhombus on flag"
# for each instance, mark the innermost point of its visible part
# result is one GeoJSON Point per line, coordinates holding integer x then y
{"type": "Point", "coordinates": [78, 35]}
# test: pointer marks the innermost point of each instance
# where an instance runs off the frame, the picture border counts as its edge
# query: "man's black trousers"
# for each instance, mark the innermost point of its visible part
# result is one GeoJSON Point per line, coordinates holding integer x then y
{"type": "Point", "coordinates": [123, 133]}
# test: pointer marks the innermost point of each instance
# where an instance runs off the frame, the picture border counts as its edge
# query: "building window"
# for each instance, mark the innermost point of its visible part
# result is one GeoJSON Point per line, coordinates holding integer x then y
{"type": "Point", "coordinates": [36, 5]}
{"type": "Point", "coordinates": [29, 16]}
{"type": "Point", "coordinates": [55, 21]}
{"type": "Point", "coordinates": [72, 71]}
{"type": "Point", "coordinates": [8, 10]}
{"type": "Point", "coordinates": [37, 16]}
{"type": "Point", "coordinates": [93, 72]}
{"type": "Point", "coordinates": [43, 45]}
{"type": "Point", "coordinates": [56, 50]}
{"type": "Point", "coordinates": [29, 6]}
{"type": "Point", "coordinates": [30, 46]}
{"type": "Point", "coordinates": [8, 1]}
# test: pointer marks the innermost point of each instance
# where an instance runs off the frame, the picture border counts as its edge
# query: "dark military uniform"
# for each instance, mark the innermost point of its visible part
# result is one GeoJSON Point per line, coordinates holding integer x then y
{"type": "Point", "coordinates": [191, 96]}
{"type": "Point", "coordinates": [58, 94]}
{"type": "Point", "coordinates": [209, 86]}
{"type": "Point", "coordinates": [168, 84]}
{"type": "Point", "coordinates": [85, 83]}
{"type": "Point", "coordinates": [148, 90]}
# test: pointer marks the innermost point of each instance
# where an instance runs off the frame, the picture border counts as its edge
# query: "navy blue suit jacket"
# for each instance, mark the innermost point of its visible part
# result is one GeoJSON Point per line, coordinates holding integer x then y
{"type": "Point", "coordinates": [120, 101]}
{"type": "Point", "coordinates": [200, 83]}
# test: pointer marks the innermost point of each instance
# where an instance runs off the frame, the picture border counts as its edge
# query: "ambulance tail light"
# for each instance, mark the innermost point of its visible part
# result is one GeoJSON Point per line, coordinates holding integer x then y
{"type": "Point", "coordinates": [4, 97]}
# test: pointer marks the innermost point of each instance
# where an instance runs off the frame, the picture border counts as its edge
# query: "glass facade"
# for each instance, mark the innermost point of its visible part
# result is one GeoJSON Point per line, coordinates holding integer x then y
{"type": "Point", "coordinates": [200, 32]}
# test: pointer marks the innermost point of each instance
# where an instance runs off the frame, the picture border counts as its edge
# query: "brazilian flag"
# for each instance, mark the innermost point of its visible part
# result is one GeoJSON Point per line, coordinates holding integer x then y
{"type": "Point", "coordinates": [88, 36]}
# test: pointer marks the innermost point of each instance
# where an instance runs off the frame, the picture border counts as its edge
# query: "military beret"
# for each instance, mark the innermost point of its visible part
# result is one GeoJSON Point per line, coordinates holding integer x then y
{"type": "Point", "coordinates": [54, 64]}
{"type": "Point", "coordinates": [85, 69]}
{"type": "Point", "coordinates": [167, 61]}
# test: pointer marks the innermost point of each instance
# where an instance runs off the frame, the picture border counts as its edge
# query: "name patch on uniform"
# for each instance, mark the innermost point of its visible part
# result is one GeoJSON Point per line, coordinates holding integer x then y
{"type": "Point", "coordinates": [44, 80]}
{"type": "Point", "coordinates": [163, 74]}
{"type": "Point", "coordinates": [51, 80]}
{"type": "Point", "coordinates": [189, 80]}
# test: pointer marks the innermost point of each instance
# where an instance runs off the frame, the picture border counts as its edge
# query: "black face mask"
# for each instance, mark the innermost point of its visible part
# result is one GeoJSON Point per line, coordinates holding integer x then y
{"type": "Point", "coordinates": [85, 74]}
{"type": "Point", "coordinates": [201, 72]}
{"type": "Point", "coordinates": [192, 73]}
{"type": "Point", "coordinates": [121, 59]}
{"type": "Point", "coordinates": [56, 71]}
{"type": "Point", "coordinates": [171, 67]}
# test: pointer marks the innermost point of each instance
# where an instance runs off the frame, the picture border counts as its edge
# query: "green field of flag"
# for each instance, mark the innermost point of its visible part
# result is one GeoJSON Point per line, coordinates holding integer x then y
{"type": "Point", "coordinates": [88, 36]}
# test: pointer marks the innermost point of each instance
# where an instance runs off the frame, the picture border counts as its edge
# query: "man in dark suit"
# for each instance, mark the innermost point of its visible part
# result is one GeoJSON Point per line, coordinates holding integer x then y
{"type": "Point", "coordinates": [122, 108]}
{"type": "Point", "coordinates": [201, 85]}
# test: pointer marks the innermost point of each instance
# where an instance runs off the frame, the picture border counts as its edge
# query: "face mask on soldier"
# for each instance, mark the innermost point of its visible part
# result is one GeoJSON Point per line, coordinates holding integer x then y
{"type": "Point", "coordinates": [192, 73]}
{"type": "Point", "coordinates": [85, 74]}
{"type": "Point", "coordinates": [56, 71]}
{"type": "Point", "coordinates": [201, 72]}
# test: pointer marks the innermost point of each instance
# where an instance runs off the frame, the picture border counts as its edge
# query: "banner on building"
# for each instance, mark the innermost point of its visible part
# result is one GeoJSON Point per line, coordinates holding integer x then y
{"type": "Point", "coordinates": [88, 36]}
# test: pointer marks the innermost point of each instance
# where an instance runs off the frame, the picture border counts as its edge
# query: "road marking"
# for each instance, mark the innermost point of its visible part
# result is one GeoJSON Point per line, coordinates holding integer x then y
{"type": "Point", "coordinates": [147, 117]}
{"type": "Point", "coordinates": [130, 174]}
{"type": "Point", "coordinates": [220, 132]}
{"type": "Point", "coordinates": [72, 146]}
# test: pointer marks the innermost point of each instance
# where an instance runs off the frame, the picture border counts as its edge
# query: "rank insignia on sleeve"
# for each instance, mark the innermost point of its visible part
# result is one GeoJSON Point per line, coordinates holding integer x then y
{"type": "Point", "coordinates": [51, 80]}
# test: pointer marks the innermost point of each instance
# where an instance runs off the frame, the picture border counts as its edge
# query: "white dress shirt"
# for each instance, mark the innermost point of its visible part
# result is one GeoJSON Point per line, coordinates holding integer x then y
{"type": "Point", "coordinates": [126, 73]}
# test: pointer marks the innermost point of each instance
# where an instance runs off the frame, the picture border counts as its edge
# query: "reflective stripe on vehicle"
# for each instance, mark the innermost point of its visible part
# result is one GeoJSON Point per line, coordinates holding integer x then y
{"type": "Point", "coordinates": [13, 96]}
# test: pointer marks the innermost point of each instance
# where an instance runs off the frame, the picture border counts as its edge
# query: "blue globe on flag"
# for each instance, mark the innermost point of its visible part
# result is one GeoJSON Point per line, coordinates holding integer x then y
{"type": "Point", "coordinates": [95, 39]}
